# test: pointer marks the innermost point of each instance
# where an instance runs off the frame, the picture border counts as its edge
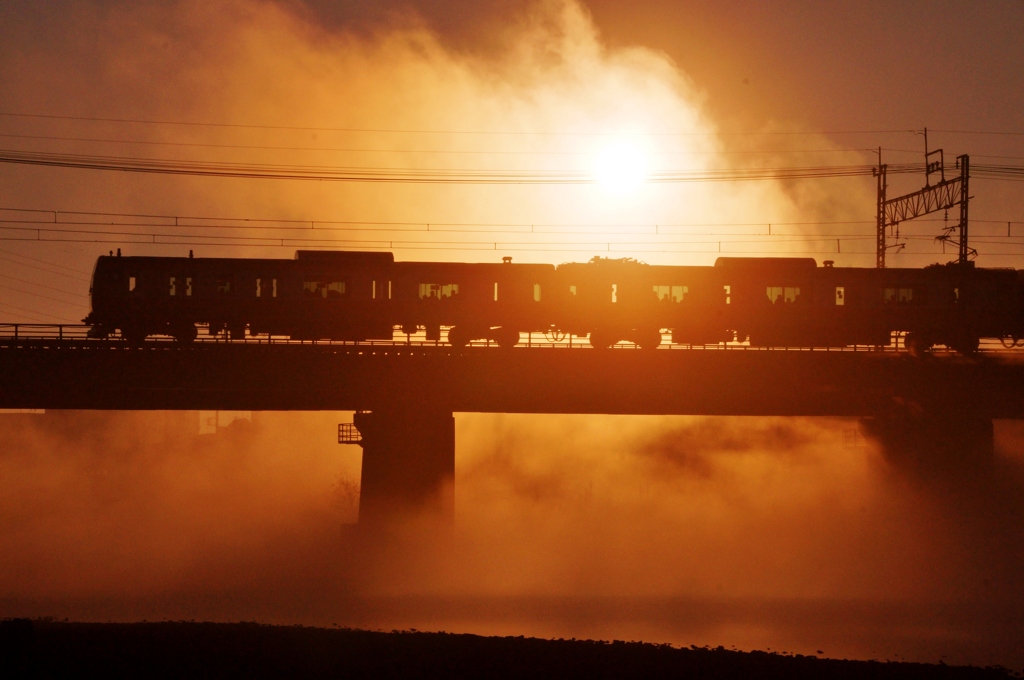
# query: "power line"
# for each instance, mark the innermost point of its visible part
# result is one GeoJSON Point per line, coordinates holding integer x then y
{"type": "Point", "coordinates": [255, 221]}
{"type": "Point", "coordinates": [39, 285]}
{"type": "Point", "coordinates": [1003, 133]}
{"type": "Point", "coordinates": [438, 176]}
{"type": "Point", "coordinates": [596, 245]}
{"type": "Point", "coordinates": [39, 316]}
{"type": "Point", "coordinates": [146, 121]}
{"type": "Point", "coordinates": [42, 269]}
{"type": "Point", "coordinates": [46, 262]}
{"type": "Point", "coordinates": [45, 297]}
{"type": "Point", "coordinates": [135, 228]}
{"type": "Point", "coordinates": [261, 147]}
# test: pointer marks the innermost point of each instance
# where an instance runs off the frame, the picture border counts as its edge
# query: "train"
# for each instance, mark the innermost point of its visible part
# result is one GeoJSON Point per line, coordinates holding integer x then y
{"type": "Point", "coordinates": [365, 296]}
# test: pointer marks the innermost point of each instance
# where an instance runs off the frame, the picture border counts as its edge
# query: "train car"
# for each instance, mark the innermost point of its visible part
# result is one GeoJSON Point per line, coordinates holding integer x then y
{"type": "Point", "coordinates": [475, 301]}
{"type": "Point", "coordinates": [358, 296]}
{"type": "Point", "coordinates": [330, 295]}
{"type": "Point", "coordinates": [317, 295]}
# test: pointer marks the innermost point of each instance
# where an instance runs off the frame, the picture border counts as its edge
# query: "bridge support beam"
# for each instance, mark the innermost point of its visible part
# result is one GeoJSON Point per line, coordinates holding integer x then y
{"type": "Point", "coordinates": [408, 464]}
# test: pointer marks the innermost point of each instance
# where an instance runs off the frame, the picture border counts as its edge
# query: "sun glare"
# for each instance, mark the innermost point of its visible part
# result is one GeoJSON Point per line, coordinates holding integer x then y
{"type": "Point", "coordinates": [621, 167]}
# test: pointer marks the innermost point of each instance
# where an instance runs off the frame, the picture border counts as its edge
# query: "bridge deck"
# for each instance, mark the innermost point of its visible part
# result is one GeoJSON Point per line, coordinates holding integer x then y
{"type": "Point", "coordinates": [80, 374]}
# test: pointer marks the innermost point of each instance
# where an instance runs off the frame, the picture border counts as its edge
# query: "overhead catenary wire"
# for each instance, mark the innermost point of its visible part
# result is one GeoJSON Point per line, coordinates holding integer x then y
{"type": "Point", "coordinates": [428, 175]}
{"type": "Point", "coordinates": [265, 147]}
{"type": "Point", "coordinates": [40, 285]}
{"type": "Point", "coordinates": [38, 316]}
{"type": "Point", "coordinates": [44, 297]}
{"type": "Point", "coordinates": [42, 269]}
{"type": "Point", "coordinates": [312, 128]}
{"type": "Point", "coordinates": [46, 262]}
{"type": "Point", "coordinates": [153, 226]}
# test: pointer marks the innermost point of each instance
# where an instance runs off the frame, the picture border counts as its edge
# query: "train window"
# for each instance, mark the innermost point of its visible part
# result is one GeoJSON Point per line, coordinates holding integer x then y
{"type": "Point", "coordinates": [266, 286]}
{"type": "Point", "coordinates": [536, 292]}
{"type": "Point", "coordinates": [131, 284]}
{"type": "Point", "coordinates": [840, 296]}
{"type": "Point", "coordinates": [572, 290]}
{"type": "Point", "coordinates": [728, 294]}
{"type": "Point", "coordinates": [783, 294]}
{"type": "Point", "coordinates": [438, 291]}
{"type": "Point", "coordinates": [673, 293]}
{"type": "Point", "coordinates": [173, 288]}
{"type": "Point", "coordinates": [223, 287]}
{"type": "Point", "coordinates": [899, 295]}
{"type": "Point", "coordinates": [389, 290]}
{"type": "Point", "coordinates": [495, 291]}
{"type": "Point", "coordinates": [262, 285]}
{"type": "Point", "coordinates": [188, 286]}
{"type": "Point", "coordinates": [615, 292]}
{"type": "Point", "coordinates": [324, 289]}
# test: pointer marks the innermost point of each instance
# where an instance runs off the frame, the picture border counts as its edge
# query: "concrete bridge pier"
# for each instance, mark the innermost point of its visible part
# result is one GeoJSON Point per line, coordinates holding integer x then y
{"type": "Point", "coordinates": [934, 445]}
{"type": "Point", "coordinates": [408, 463]}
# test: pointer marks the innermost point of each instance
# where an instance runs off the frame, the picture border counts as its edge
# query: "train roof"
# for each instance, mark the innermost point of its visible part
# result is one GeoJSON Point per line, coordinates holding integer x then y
{"type": "Point", "coordinates": [349, 257]}
{"type": "Point", "coordinates": [752, 263]}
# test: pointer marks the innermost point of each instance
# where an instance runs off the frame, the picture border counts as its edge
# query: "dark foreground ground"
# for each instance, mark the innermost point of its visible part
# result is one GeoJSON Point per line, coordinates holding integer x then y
{"type": "Point", "coordinates": [43, 648]}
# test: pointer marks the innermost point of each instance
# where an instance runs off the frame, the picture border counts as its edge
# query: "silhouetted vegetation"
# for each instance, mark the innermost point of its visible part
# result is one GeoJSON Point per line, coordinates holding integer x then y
{"type": "Point", "coordinates": [48, 648]}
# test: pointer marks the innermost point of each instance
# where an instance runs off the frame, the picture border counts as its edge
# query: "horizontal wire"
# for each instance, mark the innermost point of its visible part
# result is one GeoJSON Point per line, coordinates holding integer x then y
{"type": "Point", "coordinates": [144, 121]}
{"type": "Point", "coordinates": [33, 283]}
{"type": "Point", "coordinates": [45, 297]}
{"type": "Point", "coordinates": [42, 269]}
{"type": "Point", "coordinates": [133, 238]}
{"type": "Point", "coordinates": [258, 147]}
{"type": "Point", "coordinates": [574, 249]}
{"type": "Point", "coordinates": [39, 316]}
{"type": "Point", "coordinates": [249, 221]}
{"type": "Point", "coordinates": [46, 262]}
{"type": "Point", "coordinates": [40, 229]}
{"type": "Point", "coordinates": [541, 230]}
{"type": "Point", "coordinates": [434, 176]}
{"type": "Point", "coordinates": [61, 228]}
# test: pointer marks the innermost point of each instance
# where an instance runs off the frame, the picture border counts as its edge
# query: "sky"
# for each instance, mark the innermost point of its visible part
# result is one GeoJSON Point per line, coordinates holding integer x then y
{"type": "Point", "coordinates": [521, 89]}
{"type": "Point", "coordinates": [772, 531]}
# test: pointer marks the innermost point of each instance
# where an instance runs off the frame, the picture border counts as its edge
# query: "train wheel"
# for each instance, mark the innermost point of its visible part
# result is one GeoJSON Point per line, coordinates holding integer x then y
{"type": "Point", "coordinates": [649, 339]}
{"type": "Point", "coordinates": [134, 335]}
{"type": "Point", "coordinates": [966, 346]}
{"type": "Point", "coordinates": [506, 337]}
{"type": "Point", "coordinates": [914, 344]}
{"type": "Point", "coordinates": [599, 340]}
{"type": "Point", "coordinates": [457, 337]}
{"type": "Point", "coordinates": [186, 333]}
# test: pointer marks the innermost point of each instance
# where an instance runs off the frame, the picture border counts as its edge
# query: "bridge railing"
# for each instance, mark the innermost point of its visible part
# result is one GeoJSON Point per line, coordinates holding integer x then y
{"type": "Point", "coordinates": [44, 331]}
{"type": "Point", "coordinates": [78, 333]}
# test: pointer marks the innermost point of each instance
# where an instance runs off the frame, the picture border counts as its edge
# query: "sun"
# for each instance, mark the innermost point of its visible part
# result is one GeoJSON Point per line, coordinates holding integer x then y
{"type": "Point", "coordinates": [621, 166]}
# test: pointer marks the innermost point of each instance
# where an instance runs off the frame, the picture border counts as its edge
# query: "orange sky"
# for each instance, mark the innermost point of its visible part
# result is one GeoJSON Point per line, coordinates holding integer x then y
{"type": "Point", "coordinates": [551, 83]}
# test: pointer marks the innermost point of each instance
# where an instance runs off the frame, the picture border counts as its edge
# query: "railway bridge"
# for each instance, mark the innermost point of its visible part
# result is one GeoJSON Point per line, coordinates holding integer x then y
{"type": "Point", "coordinates": [405, 394]}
